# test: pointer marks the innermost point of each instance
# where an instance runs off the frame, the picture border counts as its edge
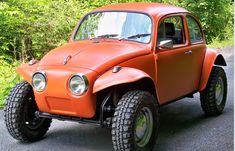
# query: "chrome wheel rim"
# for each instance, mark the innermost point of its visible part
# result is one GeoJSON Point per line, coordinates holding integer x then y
{"type": "Point", "coordinates": [143, 127]}
{"type": "Point", "coordinates": [219, 91]}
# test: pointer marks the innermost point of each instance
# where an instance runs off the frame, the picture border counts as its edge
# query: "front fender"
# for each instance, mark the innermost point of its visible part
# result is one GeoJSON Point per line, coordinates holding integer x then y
{"type": "Point", "coordinates": [212, 57]}
{"type": "Point", "coordinates": [27, 71]}
{"type": "Point", "coordinates": [125, 75]}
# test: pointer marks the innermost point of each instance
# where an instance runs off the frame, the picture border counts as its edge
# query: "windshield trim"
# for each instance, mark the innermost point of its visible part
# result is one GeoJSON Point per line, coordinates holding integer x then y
{"type": "Point", "coordinates": [128, 11]}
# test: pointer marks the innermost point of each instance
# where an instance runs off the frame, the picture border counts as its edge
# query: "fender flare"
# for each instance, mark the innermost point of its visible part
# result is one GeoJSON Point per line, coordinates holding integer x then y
{"type": "Point", "coordinates": [212, 57]}
{"type": "Point", "coordinates": [27, 71]}
{"type": "Point", "coordinates": [125, 75]}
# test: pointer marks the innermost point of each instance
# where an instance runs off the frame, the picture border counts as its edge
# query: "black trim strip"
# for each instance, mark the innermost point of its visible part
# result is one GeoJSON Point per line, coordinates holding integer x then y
{"type": "Point", "coordinates": [66, 118]}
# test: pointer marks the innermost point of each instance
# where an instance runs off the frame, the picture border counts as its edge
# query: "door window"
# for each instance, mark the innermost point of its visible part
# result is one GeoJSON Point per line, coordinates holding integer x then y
{"type": "Point", "coordinates": [194, 30]}
{"type": "Point", "coordinates": [171, 28]}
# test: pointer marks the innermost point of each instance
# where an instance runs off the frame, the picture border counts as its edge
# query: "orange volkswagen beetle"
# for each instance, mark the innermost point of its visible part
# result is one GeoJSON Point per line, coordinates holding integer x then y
{"type": "Point", "coordinates": [122, 63]}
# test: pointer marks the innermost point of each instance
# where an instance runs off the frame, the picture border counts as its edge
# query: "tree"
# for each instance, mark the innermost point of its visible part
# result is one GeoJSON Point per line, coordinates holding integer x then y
{"type": "Point", "coordinates": [31, 28]}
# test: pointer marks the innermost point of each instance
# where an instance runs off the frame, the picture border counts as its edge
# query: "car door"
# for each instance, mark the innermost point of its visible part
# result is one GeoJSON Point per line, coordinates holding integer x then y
{"type": "Point", "coordinates": [176, 72]}
{"type": "Point", "coordinates": [197, 46]}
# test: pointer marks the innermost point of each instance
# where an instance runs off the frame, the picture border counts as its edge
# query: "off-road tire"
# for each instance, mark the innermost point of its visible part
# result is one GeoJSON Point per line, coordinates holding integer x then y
{"type": "Point", "coordinates": [123, 124]}
{"type": "Point", "coordinates": [208, 95]}
{"type": "Point", "coordinates": [20, 100]}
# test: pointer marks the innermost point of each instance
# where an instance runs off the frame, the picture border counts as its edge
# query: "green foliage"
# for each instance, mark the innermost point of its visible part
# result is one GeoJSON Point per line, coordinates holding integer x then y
{"type": "Point", "coordinates": [8, 78]}
{"type": "Point", "coordinates": [215, 16]}
{"type": "Point", "coordinates": [216, 43]}
{"type": "Point", "coordinates": [33, 27]}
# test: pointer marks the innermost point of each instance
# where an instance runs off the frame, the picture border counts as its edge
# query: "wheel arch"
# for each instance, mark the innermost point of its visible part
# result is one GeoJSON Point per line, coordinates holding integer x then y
{"type": "Point", "coordinates": [126, 79]}
{"type": "Point", "coordinates": [220, 60]}
{"type": "Point", "coordinates": [212, 57]}
{"type": "Point", "coordinates": [145, 84]}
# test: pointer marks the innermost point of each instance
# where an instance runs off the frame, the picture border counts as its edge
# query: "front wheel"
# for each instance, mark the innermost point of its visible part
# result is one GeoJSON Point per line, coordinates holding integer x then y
{"type": "Point", "coordinates": [135, 123]}
{"type": "Point", "coordinates": [213, 97]}
{"type": "Point", "coordinates": [20, 119]}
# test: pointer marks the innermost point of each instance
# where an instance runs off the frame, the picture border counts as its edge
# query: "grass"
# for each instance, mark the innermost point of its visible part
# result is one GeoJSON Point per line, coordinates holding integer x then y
{"type": "Point", "coordinates": [221, 44]}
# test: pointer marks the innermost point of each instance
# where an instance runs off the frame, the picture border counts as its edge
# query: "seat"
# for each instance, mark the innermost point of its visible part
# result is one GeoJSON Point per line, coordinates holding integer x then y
{"type": "Point", "coordinates": [170, 32]}
{"type": "Point", "coordinates": [166, 31]}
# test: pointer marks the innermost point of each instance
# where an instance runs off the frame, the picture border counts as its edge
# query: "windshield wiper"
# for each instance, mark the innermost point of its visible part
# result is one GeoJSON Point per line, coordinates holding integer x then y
{"type": "Point", "coordinates": [138, 36]}
{"type": "Point", "coordinates": [135, 36]}
{"type": "Point", "coordinates": [107, 36]}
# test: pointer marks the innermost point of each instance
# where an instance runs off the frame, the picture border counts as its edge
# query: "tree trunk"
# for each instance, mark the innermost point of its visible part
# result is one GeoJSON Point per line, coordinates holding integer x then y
{"type": "Point", "coordinates": [26, 49]}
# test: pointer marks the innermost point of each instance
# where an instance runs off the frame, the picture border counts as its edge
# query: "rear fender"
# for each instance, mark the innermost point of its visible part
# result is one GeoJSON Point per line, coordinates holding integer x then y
{"type": "Point", "coordinates": [27, 71]}
{"type": "Point", "coordinates": [212, 57]}
{"type": "Point", "coordinates": [125, 75]}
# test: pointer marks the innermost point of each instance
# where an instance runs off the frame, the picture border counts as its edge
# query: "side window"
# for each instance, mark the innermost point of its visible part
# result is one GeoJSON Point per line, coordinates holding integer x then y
{"type": "Point", "coordinates": [194, 30]}
{"type": "Point", "coordinates": [171, 28]}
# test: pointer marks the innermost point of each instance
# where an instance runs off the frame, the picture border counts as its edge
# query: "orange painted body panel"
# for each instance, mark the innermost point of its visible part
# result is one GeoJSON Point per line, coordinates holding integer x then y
{"type": "Point", "coordinates": [98, 57]}
{"type": "Point", "coordinates": [57, 99]}
{"type": "Point", "coordinates": [173, 73]}
{"type": "Point", "coordinates": [145, 63]}
{"type": "Point", "coordinates": [178, 74]}
{"type": "Point", "coordinates": [174, 78]}
{"type": "Point", "coordinates": [210, 57]}
{"type": "Point", "coordinates": [149, 8]}
{"type": "Point", "coordinates": [125, 75]}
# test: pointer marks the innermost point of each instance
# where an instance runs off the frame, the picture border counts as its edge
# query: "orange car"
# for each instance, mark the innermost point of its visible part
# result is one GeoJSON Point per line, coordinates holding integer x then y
{"type": "Point", "coordinates": [122, 63]}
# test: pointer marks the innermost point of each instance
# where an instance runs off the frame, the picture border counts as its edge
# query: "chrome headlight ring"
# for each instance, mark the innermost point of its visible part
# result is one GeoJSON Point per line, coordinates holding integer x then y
{"type": "Point", "coordinates": [39, 81]}
{"type": "Point", "coordinates": [78, 84]}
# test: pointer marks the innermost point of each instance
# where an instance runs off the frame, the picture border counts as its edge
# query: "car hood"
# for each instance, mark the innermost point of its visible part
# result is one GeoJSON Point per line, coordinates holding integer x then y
{"type": "Point", "coordinates": [97, 56]}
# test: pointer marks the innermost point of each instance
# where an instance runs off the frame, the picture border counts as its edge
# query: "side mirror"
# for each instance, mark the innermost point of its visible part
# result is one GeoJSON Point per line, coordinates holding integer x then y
{"type": "Point", "coordinates": [166, 44]}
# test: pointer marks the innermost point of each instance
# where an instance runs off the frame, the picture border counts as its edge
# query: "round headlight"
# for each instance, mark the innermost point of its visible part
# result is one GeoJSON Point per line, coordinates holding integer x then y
{"type": "Point", "coordinates": [39, 81]}
{"type": "Point", "coordinates": [78, 84]}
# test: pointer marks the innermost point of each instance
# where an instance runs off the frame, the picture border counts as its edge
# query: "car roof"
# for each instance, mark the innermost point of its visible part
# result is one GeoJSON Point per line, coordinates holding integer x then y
{"type": "Point", "coordinates": [144, 7]}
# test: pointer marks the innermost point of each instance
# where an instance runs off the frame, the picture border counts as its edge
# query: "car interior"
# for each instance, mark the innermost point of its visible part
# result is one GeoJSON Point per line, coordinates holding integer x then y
{"type": "Point", "coordinates": [168, 31]}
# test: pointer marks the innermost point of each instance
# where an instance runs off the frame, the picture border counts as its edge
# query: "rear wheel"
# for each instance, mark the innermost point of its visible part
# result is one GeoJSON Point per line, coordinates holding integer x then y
{"type": "Point", "coordinates": [20, 119]}
{"type": "Point", "coordinates": [135, 123]}
{"type": "Point", "coordinates": [213, 98]}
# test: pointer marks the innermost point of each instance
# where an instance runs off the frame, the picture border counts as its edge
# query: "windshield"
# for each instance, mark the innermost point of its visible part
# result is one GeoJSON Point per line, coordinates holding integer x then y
{"type": "Point", "coordinates": [117, 25]}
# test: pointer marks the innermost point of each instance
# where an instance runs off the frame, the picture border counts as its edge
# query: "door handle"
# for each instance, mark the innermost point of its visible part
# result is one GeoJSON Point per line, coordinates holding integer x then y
{"type": "Point", "coordinates": [188, 52]}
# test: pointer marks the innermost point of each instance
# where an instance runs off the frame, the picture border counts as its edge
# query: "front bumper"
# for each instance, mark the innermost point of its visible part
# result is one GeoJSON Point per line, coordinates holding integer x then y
{"type": "Point", "coordinates": [57, 98]}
